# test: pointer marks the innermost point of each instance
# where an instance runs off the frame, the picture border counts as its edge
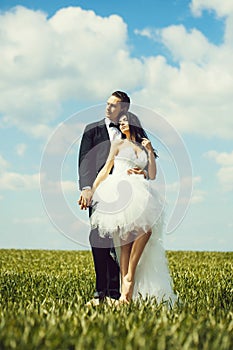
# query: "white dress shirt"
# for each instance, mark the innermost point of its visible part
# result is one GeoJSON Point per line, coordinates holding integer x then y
{"type": "Point", "coordinates": [113, 133]}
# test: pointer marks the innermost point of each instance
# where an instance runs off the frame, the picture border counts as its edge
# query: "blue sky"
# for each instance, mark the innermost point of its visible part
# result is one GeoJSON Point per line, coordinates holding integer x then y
{"type": "Point", "coordinates": [60, 58]}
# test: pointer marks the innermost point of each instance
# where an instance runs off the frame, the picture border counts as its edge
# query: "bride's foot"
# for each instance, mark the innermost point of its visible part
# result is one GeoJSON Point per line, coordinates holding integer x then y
{"type": "Point", "coordinates": [123, 300]}
{"type": "Point", "coordinates": [127, 289]}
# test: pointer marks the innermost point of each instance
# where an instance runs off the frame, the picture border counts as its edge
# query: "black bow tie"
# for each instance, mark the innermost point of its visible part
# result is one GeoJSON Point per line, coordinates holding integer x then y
{"type": "Point", "coordinates": [112, 125]}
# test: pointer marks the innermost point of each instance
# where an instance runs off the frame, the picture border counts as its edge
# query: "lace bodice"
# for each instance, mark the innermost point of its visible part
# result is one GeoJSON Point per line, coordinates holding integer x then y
{"type": "Point", "coordinates": [127, 158]}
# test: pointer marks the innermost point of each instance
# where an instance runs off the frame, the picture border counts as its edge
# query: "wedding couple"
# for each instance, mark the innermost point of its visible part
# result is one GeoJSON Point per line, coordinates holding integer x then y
{"type": "Point", "coordinates": [116, 171]}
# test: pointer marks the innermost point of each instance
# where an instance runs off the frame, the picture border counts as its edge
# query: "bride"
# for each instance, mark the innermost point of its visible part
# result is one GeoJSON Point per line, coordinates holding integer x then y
{"type": "Point", "coordinates": [129, 209]}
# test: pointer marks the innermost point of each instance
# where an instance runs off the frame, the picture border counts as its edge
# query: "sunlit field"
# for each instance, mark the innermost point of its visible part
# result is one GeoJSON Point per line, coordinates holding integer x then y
{"type": "Point", "coordinates": [43, 296]}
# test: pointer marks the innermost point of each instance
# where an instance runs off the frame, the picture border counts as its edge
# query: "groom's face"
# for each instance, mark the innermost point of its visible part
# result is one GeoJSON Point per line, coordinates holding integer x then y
{"type": "Point", "coordinates": [113, 108]}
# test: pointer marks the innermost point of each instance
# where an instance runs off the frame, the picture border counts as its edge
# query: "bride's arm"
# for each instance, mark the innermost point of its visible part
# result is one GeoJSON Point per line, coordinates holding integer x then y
{"type": "Point", "coordinates": [152, 169]}
{"type": "Point", "coordinates": [104, 172]}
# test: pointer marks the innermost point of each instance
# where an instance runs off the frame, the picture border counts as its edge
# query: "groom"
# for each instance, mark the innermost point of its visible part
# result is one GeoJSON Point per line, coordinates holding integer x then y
{"type": "Point", "coordinates": [94, 150]}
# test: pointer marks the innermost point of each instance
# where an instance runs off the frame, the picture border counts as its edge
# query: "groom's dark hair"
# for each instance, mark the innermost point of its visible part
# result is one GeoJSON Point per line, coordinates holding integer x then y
{"type": "Point", "coordinates": [124, 99]}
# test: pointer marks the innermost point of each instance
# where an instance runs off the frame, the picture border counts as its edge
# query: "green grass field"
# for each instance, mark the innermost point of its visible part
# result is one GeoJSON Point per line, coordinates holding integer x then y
{"type": "Point", "coordinates": [43, 296]}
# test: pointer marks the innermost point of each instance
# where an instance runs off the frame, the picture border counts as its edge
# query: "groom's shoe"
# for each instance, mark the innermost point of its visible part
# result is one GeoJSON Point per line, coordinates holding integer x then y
{"type": "Point", "coordinates": [98, 299]}
{"type": "Point", "coordinates": [111, 301]}
{"type": "Point", "coordinates": [94, 302]}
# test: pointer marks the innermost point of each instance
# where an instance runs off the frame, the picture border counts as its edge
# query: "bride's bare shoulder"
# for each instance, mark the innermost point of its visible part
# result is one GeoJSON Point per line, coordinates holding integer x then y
{"type": "Point", "coordinates": [115, 145]}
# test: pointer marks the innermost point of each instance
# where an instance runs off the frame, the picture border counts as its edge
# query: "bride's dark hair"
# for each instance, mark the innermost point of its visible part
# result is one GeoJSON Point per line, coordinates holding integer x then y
{"type": "Point", "coordinates": [135, 128]}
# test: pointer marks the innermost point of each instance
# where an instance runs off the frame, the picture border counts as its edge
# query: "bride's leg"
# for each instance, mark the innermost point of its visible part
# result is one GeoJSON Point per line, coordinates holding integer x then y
{"type": "Point", "coordinates": [124, 264]}
{"type": "Point", "coordinates": [124, 259]}
{"type": "Point", "coordinates": [135, 254]}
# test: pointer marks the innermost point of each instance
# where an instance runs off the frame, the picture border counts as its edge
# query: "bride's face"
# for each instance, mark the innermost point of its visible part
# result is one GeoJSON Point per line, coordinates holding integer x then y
{"type": "Point", "coordinates": [124, 124]}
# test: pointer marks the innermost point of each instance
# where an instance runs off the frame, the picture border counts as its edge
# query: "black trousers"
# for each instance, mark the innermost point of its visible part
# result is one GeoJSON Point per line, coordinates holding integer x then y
{"type": "Point", "coordinates": [106, 266]}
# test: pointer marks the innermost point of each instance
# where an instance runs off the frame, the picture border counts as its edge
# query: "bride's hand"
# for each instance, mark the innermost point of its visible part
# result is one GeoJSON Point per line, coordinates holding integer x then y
{"type": "Point", "coordinates": [85, 198]}
{"type": "Point", "coordinates": [137, 171]}
{"type": "Point", "coordinates": [147, 144]}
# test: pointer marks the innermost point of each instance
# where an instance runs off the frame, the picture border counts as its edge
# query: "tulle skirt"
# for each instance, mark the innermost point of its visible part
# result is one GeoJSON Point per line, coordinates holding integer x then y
{"type": "Point", "coordinates": [129, 204]}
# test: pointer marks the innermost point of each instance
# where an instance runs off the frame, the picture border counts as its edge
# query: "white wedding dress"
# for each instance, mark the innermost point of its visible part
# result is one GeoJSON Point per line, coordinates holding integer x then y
{"type": "Point", "coordinates": [129, 203]}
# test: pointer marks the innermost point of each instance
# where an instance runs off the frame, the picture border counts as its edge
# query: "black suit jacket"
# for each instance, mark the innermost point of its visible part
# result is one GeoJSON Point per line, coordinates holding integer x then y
{"type": "Point", "coordinates": [94, 150]}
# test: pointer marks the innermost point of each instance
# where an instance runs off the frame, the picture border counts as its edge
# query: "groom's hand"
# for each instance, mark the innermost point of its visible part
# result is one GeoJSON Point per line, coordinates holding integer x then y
{"type": "Point", "coordinates": [137, 171]}
{"type": "Point", "coordinates": [85, 198]}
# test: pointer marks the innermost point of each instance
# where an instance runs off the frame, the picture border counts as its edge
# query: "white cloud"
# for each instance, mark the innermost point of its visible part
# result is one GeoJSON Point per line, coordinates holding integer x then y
{"type": "Point", "coordinates": [15, 181]}
{"type": "Point", "coordinates": [10, 180]}
{"type": "Point", "coordinates": [55, 187]}
{"type": "Point", "coordinates": [176, 38]}
{"type": "Point", "coordinates": [21, 149]}
{"type": "Point", "coordinates": [147, 32]}
{"type": "Point", "coordinates": [189, 46]}
{"type": "Point", "coordinates": [225, 173]}
{"type": "Point", "coordinates": [3, 164]}
{"type": "Point", "coordinates": [63, 137]}
{"type": "Point", "coordinates": [25, 182]}
{"type": "Point", "coordinates": [222, 8]}
{"type": "Point", "coordinates": [195, 95]}
{"type": "Point", "coordinates": [32, 220]}
{"type": "Point", "coordinates": [222, 158]}
{"type": "Point", "coordinates": [45, 62]}
{"type": "Point", "coordinates": [197, 195]}
{"type": "Point", "coordinates": [77, 55]}
{"type": "Point", "coordinates": [225, 176]}
{"type": "Point", "coordinates": [39, 130]}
